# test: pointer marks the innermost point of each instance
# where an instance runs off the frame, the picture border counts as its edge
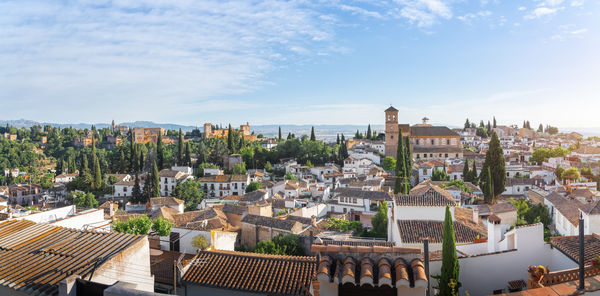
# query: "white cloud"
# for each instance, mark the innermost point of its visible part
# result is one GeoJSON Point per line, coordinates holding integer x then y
{"type": "Point", "coordinates": [424, 13]}
{"type": "Point", "coordinates": [577, 3]}
{"type": "Point", "coordinates": [469, 17]}
{"type": "Point", "coordinates": [541, 12]}
{"type": "Point", "coordinates": [361, 11]}
{"type": "Point", "coordinates": [552, 2]}
{"type": "Point", "coordinates": [521, 8]}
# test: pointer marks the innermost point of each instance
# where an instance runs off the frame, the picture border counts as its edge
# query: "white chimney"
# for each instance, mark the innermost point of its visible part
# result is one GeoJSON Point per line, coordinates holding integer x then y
{"type": "Point", "coordinates": [494, 232]}
{"type": "Point", "coordinates": [476, 214]}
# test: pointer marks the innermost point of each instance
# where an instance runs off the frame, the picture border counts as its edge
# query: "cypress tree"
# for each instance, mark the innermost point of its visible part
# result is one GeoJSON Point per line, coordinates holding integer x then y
{"type": "Point", "coordinates": [155, 181]}
{"type": "Point", "coordinates": [280, 133]}
{"type": "Point", "coordinates": [97, 174]}
{"type": "Point", "coordinates": [474, 177]}
{"type": "Point", "coordinates": [343, 139]}
{"type": "Point", "coordinates": [337, 141]}
{"type": "Point", "coordinates": [408, 163]}
{"type": "Point", "coordinates": [180, 147]}
{"type": "Point", "coordinates": [141, 163]}
{"type": "Point", "coordinates": [494, 166]}
{"type": "Point", "coordinates": [289, 136]}
{"type": "Point", "coordinates": [132, 158]}
{"type": "Point", "coordinates": [312, 134]}
{"type": "Point", "coordinates": [97, 185]}
{"type": "Point", "coordinates": [188, 155]}
{"type": "Point", "coordinates": [369, 133]}
{"type": "Point", "coordinates": [467, 124]}
{"type": "Point", "coordinates": [450, 266]}
{"type": "Point", "coordinates": [122, 168]}
{"type": "Point", "coordinates": [400, 167]}
{"type": "Point", "coordinates": [136, 193]}
{"type": "Point", "coordinates": [357, 135]}
{"type": "Point", "coordinates": [494, 122]}
{"type": "Point", "coordinates": [229, 139]}
{"type": "Point", "coordinates": [160, 157]}
{"type": "Point", "coordinates": [466, 173]}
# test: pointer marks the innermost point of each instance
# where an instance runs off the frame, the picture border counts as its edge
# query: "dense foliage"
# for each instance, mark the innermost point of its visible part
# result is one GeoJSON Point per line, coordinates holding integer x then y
{"type": "Point", "coordinates": [281, 245]}
{"type": "Point", "coordinates": [493, 174]}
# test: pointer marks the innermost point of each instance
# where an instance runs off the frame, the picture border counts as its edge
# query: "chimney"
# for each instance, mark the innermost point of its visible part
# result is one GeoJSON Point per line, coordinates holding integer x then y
{"type": "Point", "coordinates": [494, 232]}
{"type": "Point", "coordinates": [476, 214]}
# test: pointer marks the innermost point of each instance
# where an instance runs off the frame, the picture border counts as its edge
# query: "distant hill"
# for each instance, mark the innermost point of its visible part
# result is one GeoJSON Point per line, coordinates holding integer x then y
{"type": "Point", "coordinates": [322, 131]}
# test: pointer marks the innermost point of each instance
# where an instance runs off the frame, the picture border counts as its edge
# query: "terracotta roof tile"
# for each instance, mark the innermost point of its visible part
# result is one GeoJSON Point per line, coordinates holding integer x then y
{"type": "Point", "coordinates": [569, 245]}
{"type": "Point", "coordinates": [268, 274]}
{"type": "Point", "coordinates": [413, 231]}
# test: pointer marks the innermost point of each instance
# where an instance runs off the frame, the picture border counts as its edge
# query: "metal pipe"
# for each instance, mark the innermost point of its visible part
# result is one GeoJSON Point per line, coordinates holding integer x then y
{"type": "Point", "coordinates": [581, 255]}
{"type": "Point", "coordinates": [426, 255]}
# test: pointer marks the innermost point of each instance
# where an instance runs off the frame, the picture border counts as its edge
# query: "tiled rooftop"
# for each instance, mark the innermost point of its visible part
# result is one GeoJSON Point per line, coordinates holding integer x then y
{"type": "Point", "coordinates": [426, 195]}
{"type": "Point", "coordinates": [569, 245]}
{"type": "Point", "coordinates": [413, 231]}
{"type": "Point", "coordinates": [35, 257]}
{"type": "Point", "coordinates": [250, 272]}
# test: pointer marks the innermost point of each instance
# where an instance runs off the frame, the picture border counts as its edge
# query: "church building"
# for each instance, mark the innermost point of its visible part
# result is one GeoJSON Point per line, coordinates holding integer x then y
{"type": "Point", "coordinates": [427, 141]}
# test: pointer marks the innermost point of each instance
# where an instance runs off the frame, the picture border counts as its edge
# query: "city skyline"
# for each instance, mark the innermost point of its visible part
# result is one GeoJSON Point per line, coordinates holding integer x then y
{"type": "Point", "coordinates": [301, 62]}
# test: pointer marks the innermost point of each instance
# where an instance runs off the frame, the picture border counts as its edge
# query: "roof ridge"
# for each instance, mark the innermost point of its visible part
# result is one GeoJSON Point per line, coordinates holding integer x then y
{"type": "Point", "coordinates": [260, 255]}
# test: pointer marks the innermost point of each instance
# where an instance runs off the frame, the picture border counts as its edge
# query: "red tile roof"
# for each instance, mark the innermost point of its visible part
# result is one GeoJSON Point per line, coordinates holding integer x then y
{"type": "Point", "coordinates": [250, 272]}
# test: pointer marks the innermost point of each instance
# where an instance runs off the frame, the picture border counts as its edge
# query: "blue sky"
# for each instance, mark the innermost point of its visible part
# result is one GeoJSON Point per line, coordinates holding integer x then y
{"type": "Point", "coordinates": [301, 62]}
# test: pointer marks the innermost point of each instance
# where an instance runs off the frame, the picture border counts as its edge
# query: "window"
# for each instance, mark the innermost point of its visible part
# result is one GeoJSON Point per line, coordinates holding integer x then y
{"type": "Point", "coordinates": [430, 154]}
{"type": "Point", "coordinates": [389, 117]}
{"type": "Point", "coordinates": [446, 155]}
{"type": "Point", "coordinates": [431, 141]}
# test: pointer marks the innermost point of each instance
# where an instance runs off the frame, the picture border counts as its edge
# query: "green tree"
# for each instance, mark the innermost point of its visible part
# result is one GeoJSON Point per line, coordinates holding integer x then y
{"type": "Point", "coordinates": [230, 139]}
{"type": "Point", "coordinates": [558, 172]}
{"type": "Point", "coordinates": [400, 167]}
{"type": "Point", "coordinates": [281, 245]}
{"type": "Point", "coordinates": [439, 175]}
{"type": "Point", "coordinates": [467, 124]}
{"type": "Point", "coordinates": [312, 134]}
{"type": "Point", "coordinates": [84, 200]}
{"type": "Point", "coordinates": [155, 181]}
{"type": "Point", "coordinates": [380, 221]}
{"type": "Point", "coordinates": [493, 174]}
{"type": "Point", "coordinates": [540, 129]}
{"type": "Point", "coordinates": [474, 176]}
{"type": "Point", "coordinates": [139, 225]}
{"type": "Point", "coordinates": [161, 226]}
{"type": "Point", "coordinates": [408, 163]}
{"type": "Point", "coordinates": [132, 158]}
{"type": "Point", "coordinates": [450, 266]}
{"type": "Point", "coordinates": [289, 176]}
{"type": "Point", "coordinates": [191, 193]}
{"type": "Point", "coordinates": [180, 157]}
{"type": "Point", "coordinates": [571, 174]}
{"type": "Point", "coordinates": [494, 121]}
{"type": "Point", "coordinates": [160, 154]}
{"type": "Point", "coordinates": [122, 165]}
{"type": "Point", "coordinates": [253, 186]}
{"type": "Point", "coordinates": [136, 193]}
{"type": "Point", "coordinates": [188, 155]}
{"type": "Point", "coordinates": [389, 163]}
{"type": "Point", "coordinates": [279, 134]}
{"type": "Point", "coordinates": [199, 242]}
{"type": "Point", "coordinates": [466, 172]}
{"type": "Point", "coordinates": [369, 133]}
{"type": "Point", "coordinates": [239, 168]}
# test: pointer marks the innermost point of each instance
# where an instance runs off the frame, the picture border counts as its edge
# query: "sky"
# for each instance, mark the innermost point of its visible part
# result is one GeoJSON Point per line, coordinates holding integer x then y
{"type": "Point", "coordinates": [301, 62]}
